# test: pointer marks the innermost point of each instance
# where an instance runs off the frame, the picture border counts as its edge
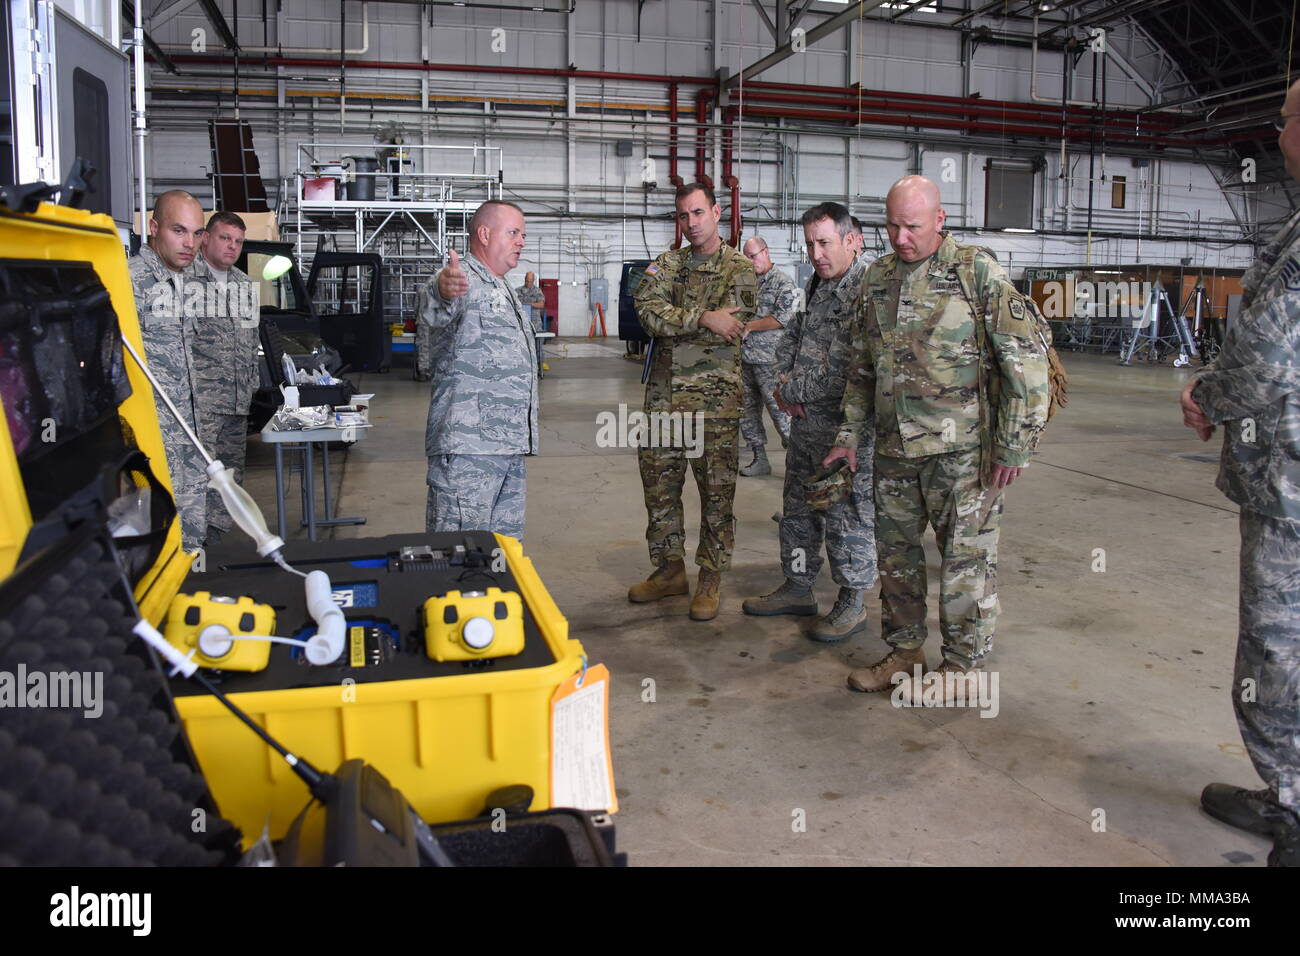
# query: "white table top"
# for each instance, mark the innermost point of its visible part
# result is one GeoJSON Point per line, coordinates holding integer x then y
{"type": "Point", "coordinates": [348, 433]}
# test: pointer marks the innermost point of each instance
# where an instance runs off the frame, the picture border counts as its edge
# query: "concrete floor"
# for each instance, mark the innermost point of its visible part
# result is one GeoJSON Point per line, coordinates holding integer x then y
{"type": "Point", "coordinates": [1114, 686]}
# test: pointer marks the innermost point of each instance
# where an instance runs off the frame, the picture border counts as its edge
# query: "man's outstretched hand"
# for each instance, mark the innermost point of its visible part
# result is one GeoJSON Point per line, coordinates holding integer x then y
{"type": "Point", "coordinates": [452, 281]}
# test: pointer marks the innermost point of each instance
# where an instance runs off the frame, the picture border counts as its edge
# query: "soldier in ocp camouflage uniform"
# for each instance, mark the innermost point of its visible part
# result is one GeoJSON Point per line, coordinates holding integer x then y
{"type": "Point", "coordinates": [958, 385]}
{"type": "Point", "coordinates": [776, 304]}
{"type": "Point", "coordinates": [225, 355]}
{"type": "Point", "coordinates": [812, 362]}
{"type": "Point", "coordinates": [694, 301]}
{"type": "Point", "coordinates": [484, 402]}
{"type": "Point", "coordinates": [1253, 390]}
{"type": "Point", "coordinates": [164, 280]}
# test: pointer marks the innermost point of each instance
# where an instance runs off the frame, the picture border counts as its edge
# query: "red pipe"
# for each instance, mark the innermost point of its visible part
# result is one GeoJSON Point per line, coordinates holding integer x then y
{"type": "Point", "coordinates": [702, 135]}
{"type": "Point", "coordinates": [891, 103]}
{"type": "Point", "coordinates": [974, 101]}
{"type": "Point", "coordinates": [673, 178]}
{"type": "Point", "coordinates": [976, 104]}
{"type": "Point", "coordinates": [729, 115]}
{"type": "Point", "coordinates": [919, 122]}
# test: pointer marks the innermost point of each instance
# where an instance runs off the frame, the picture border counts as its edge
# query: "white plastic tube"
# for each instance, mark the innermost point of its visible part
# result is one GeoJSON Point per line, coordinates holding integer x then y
{"type": "Point", "coordinates": [182, 664]}
{"type": "Point", "coordinates": [243, 509]}
{"type": "Point", "coordinates": [327, 643]}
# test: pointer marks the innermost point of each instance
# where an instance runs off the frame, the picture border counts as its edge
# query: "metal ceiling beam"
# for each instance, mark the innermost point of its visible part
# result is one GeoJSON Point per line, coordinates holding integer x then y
{"type": "Point", "coordinates": [823, 29]}
{"type": "Point", "coordinates": [908, 9]}
{"type": "Point", "coordinates": [797, 12]}
{"type": "Point", "coordinates": [155, 51]}
{"type": "Point", "coordinates": [767, 21]}
{"type": "Point", "coordinates": [979, 11]}
{"type": "Point", "coordinates": [218, 22]}
{"type": "Point", "coordinates": [165, 12]}
{"type": "Point", "coordinates": [1210, 71]}
{"type": "Point", "coordinates": [1264, 44]}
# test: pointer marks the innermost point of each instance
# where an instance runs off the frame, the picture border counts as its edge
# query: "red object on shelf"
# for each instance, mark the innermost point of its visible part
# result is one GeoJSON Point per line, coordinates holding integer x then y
{"type": "Point", "coordinates": [551, 297]}
{"type": "Point", "coordinates": [320, 189]}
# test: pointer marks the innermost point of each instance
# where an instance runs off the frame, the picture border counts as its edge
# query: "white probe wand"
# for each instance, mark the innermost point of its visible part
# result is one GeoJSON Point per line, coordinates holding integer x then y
{"type": "Point", "coordinates": [237, 501]}
{"type": "Point", "coordinates": [327, 644]}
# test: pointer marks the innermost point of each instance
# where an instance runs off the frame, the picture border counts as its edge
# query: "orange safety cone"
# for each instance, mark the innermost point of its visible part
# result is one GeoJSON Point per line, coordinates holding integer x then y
{"type": "Point", "coordinates": [597, 316]}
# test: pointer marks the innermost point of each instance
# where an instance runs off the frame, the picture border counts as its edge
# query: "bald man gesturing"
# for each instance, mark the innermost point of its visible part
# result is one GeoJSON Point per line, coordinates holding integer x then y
{"type": "Point", "coordinates": [483, 410]}
{"type": "Point", "coordinates": [946, 359]}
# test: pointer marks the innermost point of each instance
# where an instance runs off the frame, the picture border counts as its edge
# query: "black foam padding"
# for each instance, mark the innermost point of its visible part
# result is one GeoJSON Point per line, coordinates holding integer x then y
{"type": "Point", "coordinates": [117, 789]}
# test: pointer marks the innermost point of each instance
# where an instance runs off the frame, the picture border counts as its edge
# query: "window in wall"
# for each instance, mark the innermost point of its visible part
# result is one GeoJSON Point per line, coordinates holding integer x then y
{"type": "Point", "coordinates": [1118, 189]}
{"type": "Point", "coordinates": [1009, 194]}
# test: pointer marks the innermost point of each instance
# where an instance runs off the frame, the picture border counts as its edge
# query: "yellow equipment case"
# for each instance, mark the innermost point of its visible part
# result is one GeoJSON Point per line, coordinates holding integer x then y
{"type": "Point", "coordinates": [80, 439]}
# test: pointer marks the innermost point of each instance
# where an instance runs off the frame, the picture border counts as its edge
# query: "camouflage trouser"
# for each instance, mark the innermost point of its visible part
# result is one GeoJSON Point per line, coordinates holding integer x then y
{"type": "Point", "coordinates": [423, 350]}
{"type": "Point", "coordinates": [848, 527]}
{"type": "Point", "coordinates": [476, 493]}
{"type": "Point", "coordinates": [760, 381]}
{"type": "Point", "coordinates": [663, 473]}
{"type": "Point", "coordinates": [945, 491]}
{"type": "Point", "coordinates": [189, 478]}
{"type": "Point", "coordinates": [1268, 652]}
{"type": "Point", "coordinates": [227, 439]}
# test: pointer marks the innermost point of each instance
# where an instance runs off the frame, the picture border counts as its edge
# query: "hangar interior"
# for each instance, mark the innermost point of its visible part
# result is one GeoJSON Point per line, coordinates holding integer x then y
{"type": "Point", "coordinates": [1118, 145]}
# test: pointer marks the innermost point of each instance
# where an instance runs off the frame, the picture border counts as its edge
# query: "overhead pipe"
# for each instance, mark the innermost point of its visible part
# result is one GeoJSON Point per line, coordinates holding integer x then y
{"type": "Point", "coordinates": [1042, 132]}
{"type": "Point", "coordinates": [702, 99]}
{"type": "Point", "coordinates": [707, 84]}
{"type": "Point", "coordinates": [673, 178]}
{"type": "Point", "coordinates": [972, 102]}
{"type": "Point", "coordinates": [729, 116]}
{"type": "Point", "coordinates": [972, 110]}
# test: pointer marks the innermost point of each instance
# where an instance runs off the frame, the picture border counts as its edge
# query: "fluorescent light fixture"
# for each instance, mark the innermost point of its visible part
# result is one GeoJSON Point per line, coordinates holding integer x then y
{"type": "Point", "coordinates": [275, 267]}
{"type": "Point", "coordinates": [1017, 229]}
{"type": "Point", "coordinates": [1105, 272]}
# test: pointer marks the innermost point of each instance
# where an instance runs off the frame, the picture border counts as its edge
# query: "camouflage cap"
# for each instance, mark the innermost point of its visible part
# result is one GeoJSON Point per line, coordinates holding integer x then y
{"type": "Point", "coordinates": [829, 487]}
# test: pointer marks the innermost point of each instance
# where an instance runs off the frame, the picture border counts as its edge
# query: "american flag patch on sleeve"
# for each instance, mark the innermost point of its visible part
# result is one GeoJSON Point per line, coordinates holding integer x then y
{"type": "Point", "coordinates": [654, 267]}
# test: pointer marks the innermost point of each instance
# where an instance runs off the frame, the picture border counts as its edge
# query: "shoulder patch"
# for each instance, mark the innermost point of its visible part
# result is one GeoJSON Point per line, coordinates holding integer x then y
{"type": "Point", "coordinates": [652, 268]}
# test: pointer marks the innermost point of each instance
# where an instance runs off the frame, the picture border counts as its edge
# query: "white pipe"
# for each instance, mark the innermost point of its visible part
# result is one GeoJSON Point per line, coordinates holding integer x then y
{"type": "Point", "coordinates": [140, 131]}
{"type": "Point", "coordinates": [1033, 75]}
{"type": "Point", "coordinates": [327, 644]}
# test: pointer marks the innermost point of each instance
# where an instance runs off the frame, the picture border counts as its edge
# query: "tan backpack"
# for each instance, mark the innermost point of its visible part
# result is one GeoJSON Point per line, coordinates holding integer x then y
{"type": "Point", "coordinates": [1057, 379]}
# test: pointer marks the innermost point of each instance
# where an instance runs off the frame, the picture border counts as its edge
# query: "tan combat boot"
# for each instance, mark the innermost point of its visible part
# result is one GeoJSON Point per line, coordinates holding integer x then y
{"type": "Point", "coordinates": [665, 582]}
{"type": "Point", "coordinates": [878, 676]}
{"type": "Point", "coordinates": [704, 606]}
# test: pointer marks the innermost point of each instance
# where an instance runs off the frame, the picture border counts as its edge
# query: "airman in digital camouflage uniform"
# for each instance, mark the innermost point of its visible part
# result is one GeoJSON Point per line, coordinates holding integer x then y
{"type": "Point", "coordinates": [169, 297]}
{"type": "Point", "coordinates": [695, 301]}
{"type": "Point", "coordinates": [958, 384]}
{"type": "Point", "coordinates": [483, 408]}
{"type": "Point", "coordinates": [777, 296]}
{"type": "Point", "coordinates": [812, 363]}
{"type": "Point", "coordinates": [1253, 390]}
{"type": "Point", "coordinates": [225, 356]}
{"type": "Point", "coordinates": [533, 299]}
